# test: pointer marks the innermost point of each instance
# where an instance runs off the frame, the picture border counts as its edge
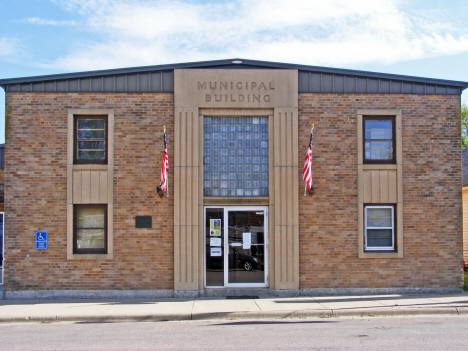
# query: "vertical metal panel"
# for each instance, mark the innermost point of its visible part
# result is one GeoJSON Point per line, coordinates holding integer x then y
{"type": "Point", "coordinates": [120, 82]}
{"type": "Point", "coordinates": [62, 85]}
{"type": "Point", "coordinates": [50, 86]}
{"type": "Point", "coordinates": [143, 83]}
{"type": "Point", "coordinates": [392, 187]}
{"type": "Point", "coordinates": [73, 85]}
{"type": "Point", "coordinates": [155, 82]}
{"type": "Point", "coordinates": [418, 88]}
{"type": "Point", "coordinates": [373, 86]}
{"type": "Point", "coordinates": [94, 187]}
{"type": "Point", "coordinates": [407, 88]}
{"type": "Point", "coordinates": [375, 186]}
{"type": "Point", "coordinates": [384, 86]}
{"type": "Point", "coordinates": [441, 90]}
{"type": "Point", "coordinates": [384, 186]}
{"type": "Point", "coordinates": [103, 187]}
{"type": "Point", "coordinates": [303, 82]}
{"type": "Point", "coordinates": [395, 87]}
{"type": "Point", "coordinates": [84, 85]}
{"type": "Point", "coordinates": [37, 87]}
{"type": "Point", "coordinates": [167, 82]}
{"type": "Point", "coordinates": [77, 198]}
{"type": "Point", "coordinates": [339, 84]}
{"type": "Point", "coordinates": [367, 182]}
{"type": "Point", "coordinates": [132, 86]}
{"type": "Point", "coordinates": [430, 89]}
{"type": "Point", "coordinates": [109, 84]}
{"type": "Point", "coordinates": [327, 83]}
{"type": "Point", "coordinates": [350, 84]}
{"type": "Point", "coordinates": [361, 85]}
{"type": "Point", "coordinates": [86, 186]}
{"type": "Point", "coordinates": [96, 84]}
{"type": "Point", "coordinates": [315, 86]}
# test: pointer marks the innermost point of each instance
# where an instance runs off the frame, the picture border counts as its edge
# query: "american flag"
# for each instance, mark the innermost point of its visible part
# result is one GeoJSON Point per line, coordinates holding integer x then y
{"type": "Point", "coordinates": [308, 163]}
{"type": "Point", "coordinates": [165, 166]}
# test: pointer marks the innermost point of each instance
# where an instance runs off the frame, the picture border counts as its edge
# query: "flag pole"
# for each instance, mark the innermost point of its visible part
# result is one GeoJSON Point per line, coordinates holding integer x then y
{"type": "Point", "coordinates": [305, 185]}
{"type": "Point", "coordinates": [167, 176]}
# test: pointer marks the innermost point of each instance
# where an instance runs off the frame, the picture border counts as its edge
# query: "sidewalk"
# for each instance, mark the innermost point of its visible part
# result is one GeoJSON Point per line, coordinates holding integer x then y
{"type": "Point", "coordinates": [94, 310]}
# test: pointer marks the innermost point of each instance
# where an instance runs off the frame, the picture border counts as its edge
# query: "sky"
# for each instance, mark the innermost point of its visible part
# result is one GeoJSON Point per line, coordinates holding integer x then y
{"type": "Point", "coordinates": [425, 38]}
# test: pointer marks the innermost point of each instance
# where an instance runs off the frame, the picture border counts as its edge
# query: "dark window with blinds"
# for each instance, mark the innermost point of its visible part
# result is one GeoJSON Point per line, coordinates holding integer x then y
{"type": "Point", "coordinates": [90, 140]}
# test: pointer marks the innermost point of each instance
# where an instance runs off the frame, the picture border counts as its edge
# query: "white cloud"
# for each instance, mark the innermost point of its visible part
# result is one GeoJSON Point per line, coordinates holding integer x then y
{"type": "Point", "coordinates": [41, 21]}
{"type": "Point", "coordinates": [316, 32]}
{"type": "Point", "coordinates": [8, 46]}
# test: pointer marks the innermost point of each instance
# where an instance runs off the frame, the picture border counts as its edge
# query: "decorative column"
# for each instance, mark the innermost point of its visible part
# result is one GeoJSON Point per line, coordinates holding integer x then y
{"type": "Point", "coordinates": [186, 200]}
{"type": "Point", "coordinates": [286, 199]}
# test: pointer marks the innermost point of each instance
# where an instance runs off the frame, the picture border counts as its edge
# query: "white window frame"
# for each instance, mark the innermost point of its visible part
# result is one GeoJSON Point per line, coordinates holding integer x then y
{"type": "Point", "coordinates": [379, 248]}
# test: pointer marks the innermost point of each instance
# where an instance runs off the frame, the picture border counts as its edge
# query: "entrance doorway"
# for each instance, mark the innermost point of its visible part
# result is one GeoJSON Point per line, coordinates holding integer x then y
{"type": "Point", "coordinates": [236, 246]}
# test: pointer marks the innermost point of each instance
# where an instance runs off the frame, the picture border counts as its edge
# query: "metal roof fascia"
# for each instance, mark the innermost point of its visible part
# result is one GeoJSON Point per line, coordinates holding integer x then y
{"type": "Point", "coordinates": [109, 72]}
{"type": "Point", "coordinates": [209, 64]}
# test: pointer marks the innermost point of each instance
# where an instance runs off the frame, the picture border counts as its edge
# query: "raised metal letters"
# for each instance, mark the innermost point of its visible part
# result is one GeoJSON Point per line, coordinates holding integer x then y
{"type": "Point", "coordinates": [239, 91]}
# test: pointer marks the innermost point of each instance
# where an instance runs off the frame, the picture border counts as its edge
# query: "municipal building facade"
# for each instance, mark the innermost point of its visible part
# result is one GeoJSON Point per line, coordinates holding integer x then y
{"type": "Point", "coordinates": [83, 153]}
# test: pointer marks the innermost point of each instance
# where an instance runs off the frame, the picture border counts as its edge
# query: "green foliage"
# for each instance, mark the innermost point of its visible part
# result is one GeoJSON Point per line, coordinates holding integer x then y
{"type": "Point", "coordinates": [464, 125]}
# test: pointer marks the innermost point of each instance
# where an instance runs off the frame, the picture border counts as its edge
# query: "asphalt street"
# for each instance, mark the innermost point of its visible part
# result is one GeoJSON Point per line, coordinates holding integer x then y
{"type": "Point", "coordinates": [345, 333]}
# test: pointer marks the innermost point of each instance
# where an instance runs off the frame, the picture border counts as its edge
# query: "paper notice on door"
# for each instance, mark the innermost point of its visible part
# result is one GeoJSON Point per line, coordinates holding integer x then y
{"type": "Point", "coordinates": [215, 252]}
{"type": "Point", "coordinates": [215, 227]}
{"type": "Point", "coordinates": [215, 241]}
{"type": "Point", "coordinates": [246, 241]}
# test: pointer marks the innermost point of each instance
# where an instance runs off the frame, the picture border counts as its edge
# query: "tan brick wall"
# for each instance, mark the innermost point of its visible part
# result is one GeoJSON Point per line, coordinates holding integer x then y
{"type": "Point", "coordinates": [35, 194]}
{"type": "Point", "coordinates": [431, 192]}
{"type": "Point", "coordinates": [36, 181]}
{"type": "Point", "coordinates": [465, 225]}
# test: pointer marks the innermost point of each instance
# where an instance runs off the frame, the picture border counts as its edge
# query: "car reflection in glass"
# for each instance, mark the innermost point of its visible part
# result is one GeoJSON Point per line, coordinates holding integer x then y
{"type": "Point", "coordinates": [245, 262]}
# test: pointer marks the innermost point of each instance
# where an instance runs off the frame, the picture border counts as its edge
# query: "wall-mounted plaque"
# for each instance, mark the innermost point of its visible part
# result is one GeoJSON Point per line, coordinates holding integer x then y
{"type": "Point", "coordinates": [143, 222]}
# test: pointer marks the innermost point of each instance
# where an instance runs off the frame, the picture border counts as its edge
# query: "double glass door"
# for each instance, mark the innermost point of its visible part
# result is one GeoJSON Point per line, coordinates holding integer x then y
{"type": "Point", "coordinates": [236, 252]}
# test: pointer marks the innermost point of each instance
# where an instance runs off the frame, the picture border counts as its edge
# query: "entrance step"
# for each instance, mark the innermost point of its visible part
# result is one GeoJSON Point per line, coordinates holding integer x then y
{"type": "Point", "coordinates": [243, 297]}
{"type": "Point", "coordinates": [237, 293]}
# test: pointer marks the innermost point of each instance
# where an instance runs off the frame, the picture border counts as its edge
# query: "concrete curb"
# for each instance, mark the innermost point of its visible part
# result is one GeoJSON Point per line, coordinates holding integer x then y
{"type": "Point", "coordinates": [326, 313]}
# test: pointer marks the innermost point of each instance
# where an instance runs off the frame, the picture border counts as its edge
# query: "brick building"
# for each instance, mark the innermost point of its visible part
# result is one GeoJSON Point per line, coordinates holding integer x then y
{"type": "Point", "coordinates": [465, 205]}
{"type": "Point", "coordinates": [83, 161]}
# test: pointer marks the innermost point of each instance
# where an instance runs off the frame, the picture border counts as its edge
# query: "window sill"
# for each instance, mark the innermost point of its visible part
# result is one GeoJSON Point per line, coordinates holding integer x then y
{"type": "Point", "coordinates": [90, 257]}
{"type": "Point", "coordinates": [82, 167]}
{"type": "Point", "coordinates": [382, 254]}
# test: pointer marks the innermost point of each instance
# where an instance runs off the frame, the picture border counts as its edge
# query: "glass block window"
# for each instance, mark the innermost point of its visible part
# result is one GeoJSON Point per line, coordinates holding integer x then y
{"type": "Point", "coordinates": [235, 158]}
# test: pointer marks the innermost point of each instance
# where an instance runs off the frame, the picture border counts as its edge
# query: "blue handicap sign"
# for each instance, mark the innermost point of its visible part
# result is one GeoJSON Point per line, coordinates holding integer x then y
{"type": "Point", "coordinates": [41, 240]}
